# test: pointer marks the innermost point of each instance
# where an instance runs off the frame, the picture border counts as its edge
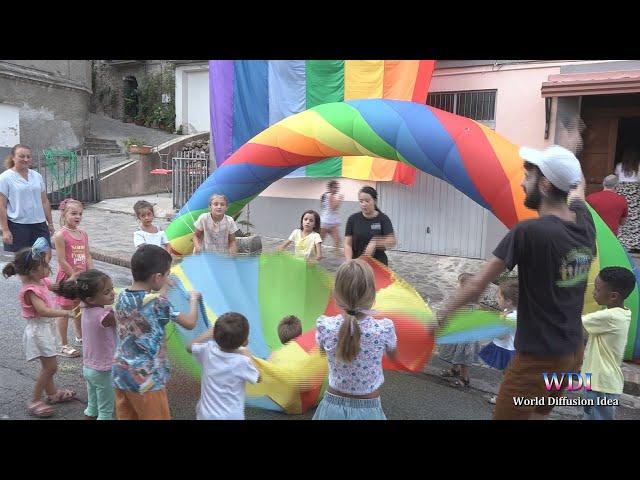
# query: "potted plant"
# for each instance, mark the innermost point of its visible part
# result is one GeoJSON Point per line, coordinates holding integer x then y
{"type": "Point", "coordinates": [135, 145]}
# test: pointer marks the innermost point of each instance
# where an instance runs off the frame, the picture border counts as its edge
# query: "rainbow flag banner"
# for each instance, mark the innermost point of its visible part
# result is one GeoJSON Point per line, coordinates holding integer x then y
{"type": "Point", "coordinates": [247, 96]}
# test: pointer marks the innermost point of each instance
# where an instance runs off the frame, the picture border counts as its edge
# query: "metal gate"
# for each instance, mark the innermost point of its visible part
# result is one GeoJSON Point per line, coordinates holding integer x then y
{"type": "Point", "coordinates": [189, 171]}
{"type": "Point", "coordinates": [433, 217]}
{"type": "Point", "coordinates": [69, 173]}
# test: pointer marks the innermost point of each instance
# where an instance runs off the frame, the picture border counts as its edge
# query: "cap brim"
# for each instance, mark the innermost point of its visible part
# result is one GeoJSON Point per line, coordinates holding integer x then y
{"type": "Point", "coordinates": [531, 155]}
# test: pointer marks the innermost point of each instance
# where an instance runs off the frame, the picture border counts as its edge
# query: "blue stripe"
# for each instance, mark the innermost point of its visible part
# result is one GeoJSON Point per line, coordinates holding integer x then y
{"type": "Point", "coordinates": [420, 138]}
{"type": "Point", "coordinates": [229, 284]}
{"type": "Point", "coordinates": [236, 181]}
{"type": "Point", "coordinates": [475, 335]}
{"type": "Point", "coordinates": [250, 100]}
{"type": "Point", "coordinates": [636, 308]}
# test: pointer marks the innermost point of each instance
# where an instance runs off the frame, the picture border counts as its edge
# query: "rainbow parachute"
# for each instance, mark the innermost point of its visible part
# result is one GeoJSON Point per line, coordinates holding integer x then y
{"type": "Point", "coordinates": [471, 157]}
{"type": "Point", "coordinates": [267, 288]}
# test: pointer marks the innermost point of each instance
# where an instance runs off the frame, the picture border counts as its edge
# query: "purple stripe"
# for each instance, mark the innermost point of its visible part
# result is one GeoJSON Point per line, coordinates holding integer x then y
{"type": "Point", "coordinates": [221, 76]}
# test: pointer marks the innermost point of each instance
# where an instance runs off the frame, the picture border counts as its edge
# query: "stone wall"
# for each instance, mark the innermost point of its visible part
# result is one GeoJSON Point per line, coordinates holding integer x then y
{"type": "Point", "coordinates": [53, 98]}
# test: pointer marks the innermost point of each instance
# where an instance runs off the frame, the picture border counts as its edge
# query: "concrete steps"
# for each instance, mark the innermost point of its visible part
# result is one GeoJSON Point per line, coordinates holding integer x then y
{"type": "Point", "coordinates": [101, 146]}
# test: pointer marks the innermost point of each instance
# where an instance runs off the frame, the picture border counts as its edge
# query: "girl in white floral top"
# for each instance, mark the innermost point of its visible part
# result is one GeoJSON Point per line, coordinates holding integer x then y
{"type": "Point", "coordinates": [354, 343]}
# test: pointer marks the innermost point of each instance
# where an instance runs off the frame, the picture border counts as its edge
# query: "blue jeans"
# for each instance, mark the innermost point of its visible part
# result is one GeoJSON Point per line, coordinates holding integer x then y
{"type": "Point", "coordinates": [600, 412]}
{"type": "Point", "coordinates": [335, 407]}
{"type": "Point", "coordinates": [100, 394]}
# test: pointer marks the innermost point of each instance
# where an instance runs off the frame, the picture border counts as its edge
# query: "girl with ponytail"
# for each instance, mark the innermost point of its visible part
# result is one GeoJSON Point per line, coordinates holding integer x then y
{"type": "Point", "coordinates": [39, 312]}
{"type": "Point", "coordinates": [95, 289]}
{"type": "Point", "coordinates": [354, 343]}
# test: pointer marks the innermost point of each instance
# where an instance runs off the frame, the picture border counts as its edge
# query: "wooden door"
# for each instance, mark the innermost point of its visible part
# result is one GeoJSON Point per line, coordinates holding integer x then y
{"type": "Point", "coordinates": [598, 154]}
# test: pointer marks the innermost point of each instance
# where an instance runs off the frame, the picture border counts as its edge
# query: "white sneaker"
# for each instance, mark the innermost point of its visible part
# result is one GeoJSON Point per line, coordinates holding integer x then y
{"type": "Point", "coordinates": [493, 399]}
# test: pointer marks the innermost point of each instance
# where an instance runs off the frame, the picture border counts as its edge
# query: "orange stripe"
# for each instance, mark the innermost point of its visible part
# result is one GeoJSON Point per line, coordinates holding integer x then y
{"type": "Point", "coordinates": [399, 79]}
{"type": "Point", "coordinates": [509, 158]}
{"type": "Point", "coordinates": [280, 136]}
{"type": "Point", "coordinates": [382, 170]}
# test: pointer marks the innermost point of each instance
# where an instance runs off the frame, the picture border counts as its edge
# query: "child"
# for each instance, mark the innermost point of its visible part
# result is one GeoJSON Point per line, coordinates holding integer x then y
{"type": "Point", "coordinates": [72, 245]}
{"type": "Point", "coordinates": [40, 333]}
{"type": "Point", "coordinates": [607, 331]}
{"type": "Point", "coordinates": [148, 232]}
{"type": "Point", "coordinates": [461, 355]}
{"type": "Point", "coordinates": [289, 328]}
{"type": "Point", "coordinates": [354, 342]}
{"type": "Point", "coordinates": [215, 231]}
{"type": "Point", "coordinates": [140, 368]}
{"type": "Point", "coordinates": [95, 290]}
{"type": "Point", "coordinates": [329, 212]}
{"type": "Point", "coordinates": [501, 350]}
{"type": "Point", "coordinates": [226, 367]}
{"type": "Point", "coordinates": [306, 239]}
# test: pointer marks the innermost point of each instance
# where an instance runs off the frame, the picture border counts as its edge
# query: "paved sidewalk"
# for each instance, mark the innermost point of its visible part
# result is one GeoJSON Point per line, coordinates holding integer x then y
{"type": "Point", "coordinates": [110, 225]}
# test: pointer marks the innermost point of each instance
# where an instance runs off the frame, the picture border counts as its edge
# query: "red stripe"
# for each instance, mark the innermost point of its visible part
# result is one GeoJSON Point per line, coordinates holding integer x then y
{"type": "Point", "coordinates": [415, 344]}
{"type": "Point", "coordinates": [481, 163]}
{"type": "Point", "coordinates": [404, 174]}
{"type": "Point", "coordinates": [265, 155]}
{"type": "Point", "coordinates": [307, 340]}
{"type": "Point", "coordinates": [423, 80]}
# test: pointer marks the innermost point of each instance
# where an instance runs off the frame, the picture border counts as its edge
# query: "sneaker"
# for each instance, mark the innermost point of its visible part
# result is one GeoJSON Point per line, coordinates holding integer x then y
{"type": "Point", "coordinates": [492, 400]}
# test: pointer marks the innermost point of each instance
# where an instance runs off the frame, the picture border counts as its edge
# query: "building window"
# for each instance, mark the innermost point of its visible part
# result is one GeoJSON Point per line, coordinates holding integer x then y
{"type": "Point", "coordinates": [478, 105]}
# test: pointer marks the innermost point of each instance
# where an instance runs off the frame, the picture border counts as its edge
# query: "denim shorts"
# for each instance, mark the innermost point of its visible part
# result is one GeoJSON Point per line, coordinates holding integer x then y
{"type": "Point", "coordinates": [335, 407]}
{"type": "Point", "coordinates": [600, 412]}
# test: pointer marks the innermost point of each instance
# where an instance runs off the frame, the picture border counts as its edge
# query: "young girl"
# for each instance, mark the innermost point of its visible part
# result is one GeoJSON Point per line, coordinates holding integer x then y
{"type": "Point", "coordinates": [461, 355]}
{"type": "Point", "coordinates": [148, 232]}
{"type": "Point", "coordinates": [72, 245]}
{"type": "Point", "coordinates": [95, 290]}
{"type": "Point", "coordinates": [501, 350]}
{"type": "Point", "coordinates": [38, 310]}
{"type": "Point", "coordinates": [306, 239]}
{"type": "Point", "coordinates": [354, 342]}
{"type": "Point", "coordinates": [329, 212]}
{"type": "Point", "coordinates": [215, 231]}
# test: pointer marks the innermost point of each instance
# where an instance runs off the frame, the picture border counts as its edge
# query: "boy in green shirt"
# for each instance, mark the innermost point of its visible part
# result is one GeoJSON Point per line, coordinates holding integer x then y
{"type": "Point", "coordinates": [607, 331]}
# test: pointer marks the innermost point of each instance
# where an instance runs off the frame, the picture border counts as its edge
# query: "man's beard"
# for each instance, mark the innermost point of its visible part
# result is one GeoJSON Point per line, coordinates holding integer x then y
{"type": "Point", "coordinates": [533, 199]}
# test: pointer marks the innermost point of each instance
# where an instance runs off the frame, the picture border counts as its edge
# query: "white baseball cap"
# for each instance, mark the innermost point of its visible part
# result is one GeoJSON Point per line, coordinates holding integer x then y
{"type": "Point", "coordinates": [559, 165]}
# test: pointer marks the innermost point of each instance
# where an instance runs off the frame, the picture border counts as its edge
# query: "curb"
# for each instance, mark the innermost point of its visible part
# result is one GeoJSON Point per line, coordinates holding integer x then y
{"type": "Point", "coordinates": [106, 257]}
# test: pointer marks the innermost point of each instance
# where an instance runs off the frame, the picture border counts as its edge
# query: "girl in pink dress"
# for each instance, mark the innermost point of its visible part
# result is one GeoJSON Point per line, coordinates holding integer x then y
{"type": "Point", "coordinates": [72, 247]}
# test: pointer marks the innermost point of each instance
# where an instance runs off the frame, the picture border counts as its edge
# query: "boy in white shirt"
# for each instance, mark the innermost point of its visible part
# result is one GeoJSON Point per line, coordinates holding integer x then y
{"type": "Point", "coordinates": [226, 367]}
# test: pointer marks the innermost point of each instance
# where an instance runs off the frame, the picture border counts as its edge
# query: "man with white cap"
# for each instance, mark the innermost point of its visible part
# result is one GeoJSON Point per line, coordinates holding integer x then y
{"type": "Point", "coordinates": [553, 254]}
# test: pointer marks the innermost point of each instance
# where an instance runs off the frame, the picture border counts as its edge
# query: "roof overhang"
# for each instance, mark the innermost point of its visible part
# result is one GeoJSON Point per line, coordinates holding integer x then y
{"type": "Point", "coordinates": [595, 83]}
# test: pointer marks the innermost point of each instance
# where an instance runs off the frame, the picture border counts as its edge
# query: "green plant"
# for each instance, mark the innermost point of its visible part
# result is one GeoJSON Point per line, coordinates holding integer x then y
{"type": "Point", "coordinates": [151, 111]}
{"type": "Point", "coordinates": [247, 224]}
{"type": "Point", "coordinates": [132, 141]}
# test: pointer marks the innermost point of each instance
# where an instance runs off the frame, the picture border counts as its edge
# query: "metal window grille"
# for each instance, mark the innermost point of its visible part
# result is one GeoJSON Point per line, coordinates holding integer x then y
{"type": "Point", "coordinates": [478, 105]}
{"type": "Point", "coordinates": [190, 170]}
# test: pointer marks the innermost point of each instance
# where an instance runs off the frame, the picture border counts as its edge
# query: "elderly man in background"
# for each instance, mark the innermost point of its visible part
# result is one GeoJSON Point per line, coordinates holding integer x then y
{"type": "Point", "coordinates": [611, 206]}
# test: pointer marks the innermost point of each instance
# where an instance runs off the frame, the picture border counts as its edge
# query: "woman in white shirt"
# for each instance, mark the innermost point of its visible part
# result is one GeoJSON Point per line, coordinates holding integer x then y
{"type": "Point", "coordinates": [628, 172]}
{"type": "Point", "coordinates": [24, 205]}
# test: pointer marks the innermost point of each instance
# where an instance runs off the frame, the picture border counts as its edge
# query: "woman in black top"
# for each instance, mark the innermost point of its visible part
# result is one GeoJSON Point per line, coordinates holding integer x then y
{"type": "Point", "coordinates": [368, 232]}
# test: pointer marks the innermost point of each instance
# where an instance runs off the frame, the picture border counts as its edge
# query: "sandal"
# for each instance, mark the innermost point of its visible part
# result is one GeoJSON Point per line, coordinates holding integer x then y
{"type": "Point", "coordinates": [461, 382]}
{"type": "Point", "coordinates": [40, 409]}
{"type": "Point", "coordinates": [449, 373]}
{"type": "Point", "coordinates": [70, 352]}
{"type": "Point", "coordinates": [60, 396]}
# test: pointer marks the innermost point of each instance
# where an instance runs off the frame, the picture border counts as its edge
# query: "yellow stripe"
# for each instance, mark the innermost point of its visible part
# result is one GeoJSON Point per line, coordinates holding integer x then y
{"type": "Point", "coordinates": [357, 167]}
{"type": "Point", "coordinates": [183, 245]}
{"type": "Point", "coordinates": [590, 304]}
{"type": "Point", "coordinates": [179, 272]}
{"type": "Point", "coordinates": [363, 79]}
{"type": "Point", "coordinates": [313, 125]}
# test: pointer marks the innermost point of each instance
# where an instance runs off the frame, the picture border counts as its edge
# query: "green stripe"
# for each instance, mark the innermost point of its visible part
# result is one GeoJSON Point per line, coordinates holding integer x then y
{"type": "Point", "coordinates": [305, 287]}
{"type": "Point", "coordinates": [183, 224]}
{"type": "Point", "coordinates": [325, 84]}
{"type": "Point", "coordinates": [612, 254]}
{"type": "Point", "coordinates": [350, 122]}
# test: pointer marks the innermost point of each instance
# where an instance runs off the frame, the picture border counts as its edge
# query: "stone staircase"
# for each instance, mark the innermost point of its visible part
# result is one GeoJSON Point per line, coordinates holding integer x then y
{"type": "Point", "coordinates": [102, 146]}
